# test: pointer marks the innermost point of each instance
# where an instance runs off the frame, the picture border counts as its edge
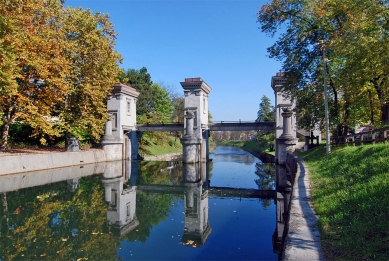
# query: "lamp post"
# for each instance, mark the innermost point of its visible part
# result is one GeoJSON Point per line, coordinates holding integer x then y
{"type": "Point", "coordinates": [328, 148]}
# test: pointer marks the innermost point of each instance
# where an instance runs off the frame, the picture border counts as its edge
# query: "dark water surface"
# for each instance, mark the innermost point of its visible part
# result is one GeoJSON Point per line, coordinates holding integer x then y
{"type": "Point", "coordinates": [145, 211]}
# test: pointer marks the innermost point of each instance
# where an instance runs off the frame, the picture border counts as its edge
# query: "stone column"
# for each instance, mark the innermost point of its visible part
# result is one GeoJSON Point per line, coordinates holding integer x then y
{"type": "Point", "coordinates": [205, 147]}
{"type": "Point", "coordinates": [190, 142]}
{"type": "Point", "coordinates": [287, 128]}
{"type": "Point", "coordinates": [113, 148]}
{"type": "Point", "coordinates": [285, 143]}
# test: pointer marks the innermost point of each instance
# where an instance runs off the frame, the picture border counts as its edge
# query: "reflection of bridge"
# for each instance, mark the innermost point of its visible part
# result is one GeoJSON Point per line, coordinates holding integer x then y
{"type": "Point", "coordinates": [212, 191]}
{"type": "Point", "coordinates": [118, 180]}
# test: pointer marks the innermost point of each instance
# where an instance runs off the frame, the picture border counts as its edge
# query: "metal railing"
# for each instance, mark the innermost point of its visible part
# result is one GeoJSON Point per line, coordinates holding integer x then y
{"type": "Point", "coordinates": [364, 137]}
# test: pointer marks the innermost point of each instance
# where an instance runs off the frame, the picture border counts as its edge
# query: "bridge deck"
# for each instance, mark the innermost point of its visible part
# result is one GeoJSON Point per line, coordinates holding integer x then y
{"type": "Point", "coordinates": [213, 191]}
{"type": "Point", "coordinates": [222, 126]}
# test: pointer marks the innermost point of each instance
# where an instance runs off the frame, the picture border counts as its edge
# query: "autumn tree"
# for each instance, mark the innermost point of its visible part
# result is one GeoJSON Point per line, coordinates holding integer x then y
{"type": "Point", "coordinates": [33, 66]}
{"type": "Point", "coordinates": [93, 70]}
{"type": "Point", "coordinates": [57, 66]}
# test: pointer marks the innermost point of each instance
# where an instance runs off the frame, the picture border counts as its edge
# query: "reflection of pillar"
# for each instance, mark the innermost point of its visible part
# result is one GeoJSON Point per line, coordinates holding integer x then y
{"type": "Point", "coordinates": [121, 199]}
{"type": "Point", "coordinates": [283, 200]}
{"type": "Point", "coordinates": [197, 228]}
{"type": "Point", "coordinates": [283, 182]}
{"type": "Point", "coordinates": [73, 184]}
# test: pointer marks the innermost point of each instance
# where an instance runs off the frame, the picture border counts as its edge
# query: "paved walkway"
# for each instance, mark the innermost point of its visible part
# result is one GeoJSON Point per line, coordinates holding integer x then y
{"type": "Point", "coordinates": [303, 239]}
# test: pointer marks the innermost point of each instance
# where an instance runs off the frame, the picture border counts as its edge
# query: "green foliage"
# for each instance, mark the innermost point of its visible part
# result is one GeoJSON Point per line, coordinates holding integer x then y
{"type": "Point", "coordinates": [171, 145]}
{"type": "Point", "coordinates": [266, 180]}
{"type": "Point", "coordinates": [353, 36]}
{"type": "Point", "coordinates": [266, 139]}
{"type": "Point", "coordinates": [178, 104]}
{"type": "Point", "coordinates": [141, 81]}
{"type": "Point", "coordinates": [348, 189]}
{"type": "Point", "coordinates": [50, 222]}
{"type": "Point", "coordinates": [265, 111]}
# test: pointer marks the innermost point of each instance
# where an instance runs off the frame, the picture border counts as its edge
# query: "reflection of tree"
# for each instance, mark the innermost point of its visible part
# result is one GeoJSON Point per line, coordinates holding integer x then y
{"type": "Point", "coordinates": [50, 222]}
{"type": "Point", "coordinates": [160, 172]}
{"type": "Point", "coordinates": [266, 179]}
{"type": "Point", "coordinates": [150, 210]}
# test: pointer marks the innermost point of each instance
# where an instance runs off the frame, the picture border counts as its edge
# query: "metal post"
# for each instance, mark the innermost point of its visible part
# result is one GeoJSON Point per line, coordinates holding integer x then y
{"type": "Point", "coordinates": [328, 148]}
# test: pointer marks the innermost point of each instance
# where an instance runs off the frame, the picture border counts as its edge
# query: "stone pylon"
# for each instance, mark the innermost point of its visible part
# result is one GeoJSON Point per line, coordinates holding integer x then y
{"type": "Point", "coordinates": [286, 142]}
{"type": "Point", "coordinates": [190, 141]}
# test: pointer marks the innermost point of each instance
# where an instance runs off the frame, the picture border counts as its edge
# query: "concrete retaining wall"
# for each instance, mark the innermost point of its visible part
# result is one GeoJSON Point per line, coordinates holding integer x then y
{"type": "Point", "coordinates": [34, 162]}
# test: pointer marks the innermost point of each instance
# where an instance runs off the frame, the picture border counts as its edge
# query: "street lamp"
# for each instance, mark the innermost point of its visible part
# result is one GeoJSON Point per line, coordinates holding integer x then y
{"type": "Point", "coordinates": [328, 148]}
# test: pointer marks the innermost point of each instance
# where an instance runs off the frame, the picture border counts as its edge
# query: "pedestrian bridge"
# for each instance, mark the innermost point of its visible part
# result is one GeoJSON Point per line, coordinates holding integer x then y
{"type": "Point", "coordinates": [216, 126]}
{"type": "Point", "coordinates": [122, 132]}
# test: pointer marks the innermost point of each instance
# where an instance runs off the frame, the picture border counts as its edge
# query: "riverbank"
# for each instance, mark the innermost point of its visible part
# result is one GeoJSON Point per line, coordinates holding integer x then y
{"type": "Point", "coordinates": [349, 190]}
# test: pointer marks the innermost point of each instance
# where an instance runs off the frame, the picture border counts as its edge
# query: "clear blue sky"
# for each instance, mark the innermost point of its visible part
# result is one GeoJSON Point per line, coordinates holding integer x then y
{"type": "Point", "coordinates": [217, 40]}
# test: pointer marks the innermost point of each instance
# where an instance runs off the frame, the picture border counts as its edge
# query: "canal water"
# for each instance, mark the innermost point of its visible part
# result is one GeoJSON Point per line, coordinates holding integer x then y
{"type": "Point", "coordinates": [142, 211]}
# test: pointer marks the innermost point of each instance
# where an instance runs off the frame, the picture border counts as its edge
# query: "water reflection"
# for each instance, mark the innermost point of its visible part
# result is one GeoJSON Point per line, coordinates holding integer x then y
{"type": "Point", "coordinates": [126, 207]}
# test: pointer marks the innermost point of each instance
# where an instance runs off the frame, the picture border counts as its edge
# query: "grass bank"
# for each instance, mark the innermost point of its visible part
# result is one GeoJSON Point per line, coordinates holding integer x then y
{"type": "Point", "coordinates": [248, 145]}
{"type": "Point", "coordinates": [350, 193]}
{"type": "Point", "coordinates": [172, 146]}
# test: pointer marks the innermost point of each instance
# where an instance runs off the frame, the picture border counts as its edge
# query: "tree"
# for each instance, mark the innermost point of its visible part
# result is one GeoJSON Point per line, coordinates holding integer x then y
{"type": "Point", "coordinates": [141, 81]}
{"type": "Point", "coordinates": [178, 104]}
{"type": "Point", "coordinates": [265, 139]}
{"type": "Point", "coordinates": [57, 67]}
{"type": "Point", "coordinates": [93, 70]}
{"type": "Point", "coordinates": [33, 67]}
{"type": "Point", "coordinates": [353, 35]}
{"type": "Point", "coordinates": [163, 106]}
{"type": "Point", "coordinates": [266, 110]}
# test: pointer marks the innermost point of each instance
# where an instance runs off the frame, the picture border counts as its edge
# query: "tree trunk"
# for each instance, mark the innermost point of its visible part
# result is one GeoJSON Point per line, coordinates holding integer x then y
{"type": "Point", "coordinates": [385, 112]}
{"type": "Point", "coordinates": [4, 136]}
{"type": "Point", "coordinates": [381, 97]}
{"type": "Point", "coordinates": [371, 107]}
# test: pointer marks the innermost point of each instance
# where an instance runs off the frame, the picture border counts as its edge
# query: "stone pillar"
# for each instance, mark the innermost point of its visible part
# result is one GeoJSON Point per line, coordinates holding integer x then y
{"type": "Point", "coordinates": [286, 142]}
{"type": "Point", "coordinates": [205, 147]}
{"type": "Point", "coordinates": [112, 147]}
{"type": "Point", "coordinates": [190, 142]}
{"type": "Point", "coordinates": [286, 128]}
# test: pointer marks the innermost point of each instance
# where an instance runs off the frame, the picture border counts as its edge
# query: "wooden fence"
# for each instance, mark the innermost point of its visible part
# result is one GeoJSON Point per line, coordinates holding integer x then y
{"type": "Point", "coordinates": [361, 138]}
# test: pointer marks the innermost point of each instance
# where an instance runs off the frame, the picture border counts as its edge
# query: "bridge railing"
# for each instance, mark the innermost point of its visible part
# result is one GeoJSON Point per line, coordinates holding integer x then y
{"type": "Point", "coordinates": [227, 122]}
{"type": "Point", "coordinates": [364, 137]}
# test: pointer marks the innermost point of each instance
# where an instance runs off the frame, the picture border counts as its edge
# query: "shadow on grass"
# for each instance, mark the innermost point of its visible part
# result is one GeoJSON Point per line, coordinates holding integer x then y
{"type": "Point", "coordinates": [350, 189]}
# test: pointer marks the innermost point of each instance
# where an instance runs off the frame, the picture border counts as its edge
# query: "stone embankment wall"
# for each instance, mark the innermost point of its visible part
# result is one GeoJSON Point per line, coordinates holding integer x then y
{"type": "Point", "coordinates": [34, 162]}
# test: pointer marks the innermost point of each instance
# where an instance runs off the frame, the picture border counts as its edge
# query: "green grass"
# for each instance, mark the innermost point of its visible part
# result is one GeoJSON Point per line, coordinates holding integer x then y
{"type": "Point", "coordinates": [247, 145]}
{"type": "Point", "coordinates": [350, 192]}
{"type": "Point", "coordinates": [173, 146]}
